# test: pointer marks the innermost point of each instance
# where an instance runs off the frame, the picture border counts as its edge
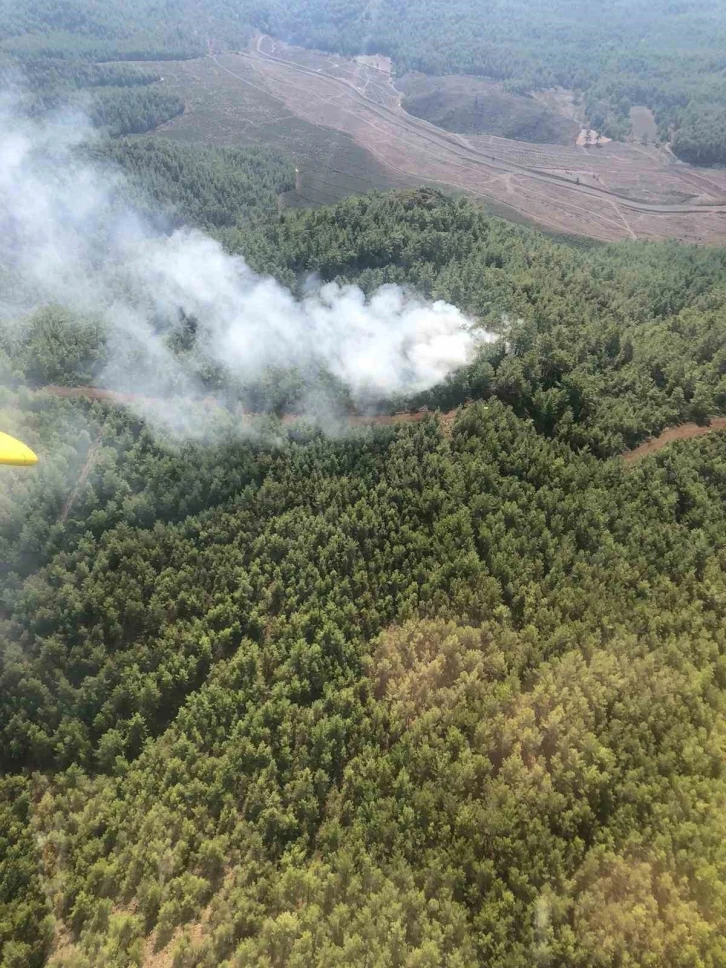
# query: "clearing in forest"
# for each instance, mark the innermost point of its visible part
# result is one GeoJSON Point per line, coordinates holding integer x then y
{"type": "Point", "coordinates": [345, 125]}
{"type": "Point", "coordinates": [227, 106]}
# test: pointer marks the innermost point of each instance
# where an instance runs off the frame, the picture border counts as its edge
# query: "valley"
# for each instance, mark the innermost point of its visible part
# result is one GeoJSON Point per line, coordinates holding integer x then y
{"type": "Point", "coordinates": [346, 126]}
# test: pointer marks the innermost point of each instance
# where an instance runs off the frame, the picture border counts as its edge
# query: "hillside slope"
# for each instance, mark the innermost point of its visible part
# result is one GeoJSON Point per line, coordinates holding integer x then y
{"type": "Point", "coordinates": [409, 695]}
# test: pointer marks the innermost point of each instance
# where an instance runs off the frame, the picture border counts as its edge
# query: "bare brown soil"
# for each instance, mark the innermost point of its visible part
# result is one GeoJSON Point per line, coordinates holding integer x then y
{"type": "Point", "coordinates": [377, 61]}
{"type": "Point", "coordinates": [683, 432]}
{"type": "Point", "coordinates": [226, 105]}
{"type": "Point", "coordinates": [610, 192]}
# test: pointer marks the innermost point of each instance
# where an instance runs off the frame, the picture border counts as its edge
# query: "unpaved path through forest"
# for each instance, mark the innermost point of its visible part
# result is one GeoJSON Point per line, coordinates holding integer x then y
{"type": "Point", "coordinates": [681, 432]}
{"type": "Point", "coordinates": [355, 420]}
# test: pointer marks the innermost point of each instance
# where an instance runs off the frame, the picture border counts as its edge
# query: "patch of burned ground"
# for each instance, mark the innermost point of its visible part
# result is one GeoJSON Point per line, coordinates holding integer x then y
{"type": "Point", "coordinates": [683, 432]}
{"type": "Point", "coordinates": [474, 105]}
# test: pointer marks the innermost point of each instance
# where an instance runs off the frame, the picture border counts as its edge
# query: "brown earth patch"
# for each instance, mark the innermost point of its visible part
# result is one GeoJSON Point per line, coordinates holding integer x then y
{"type": "Point", "coordinates": [609, 192]}
{"type": "Point", "coordinates": [225, 105]}
{"type": "Point", "coordinates": [344, 125]}
{"type": "Point", "coordinates": [682, 432]}
{"type": "Point", "coordinates": [377, 61]}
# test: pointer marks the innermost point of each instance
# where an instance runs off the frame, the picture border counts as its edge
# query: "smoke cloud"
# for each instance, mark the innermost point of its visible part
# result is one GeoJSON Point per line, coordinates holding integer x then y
{"type": "Point", "coordinates": [70, 236]}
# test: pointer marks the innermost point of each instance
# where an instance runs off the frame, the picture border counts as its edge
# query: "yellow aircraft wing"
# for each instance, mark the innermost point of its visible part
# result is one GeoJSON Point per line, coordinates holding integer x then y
{"type": "Point", "coordinates": [13, 452]}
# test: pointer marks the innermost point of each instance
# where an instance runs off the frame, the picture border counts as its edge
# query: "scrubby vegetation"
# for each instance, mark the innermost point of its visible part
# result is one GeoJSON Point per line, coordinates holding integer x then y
{"type": "Point", "coordinates": [475, 106]}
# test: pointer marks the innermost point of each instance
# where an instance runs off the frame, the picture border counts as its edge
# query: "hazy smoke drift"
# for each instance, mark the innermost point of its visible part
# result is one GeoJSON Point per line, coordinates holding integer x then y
{"type": "Point", "coordinates": [69, 235]}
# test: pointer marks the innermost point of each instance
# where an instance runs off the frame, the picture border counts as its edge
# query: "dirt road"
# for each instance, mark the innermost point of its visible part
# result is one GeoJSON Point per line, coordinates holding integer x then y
{"type": "Point", "coordinates": [683, 432]}
{"type": "Point", "coordinates": [648, 447]}
{"type": "Point", "coordinates": [612, 192]}
{"type": "Point", "coordinates": [354, 420]}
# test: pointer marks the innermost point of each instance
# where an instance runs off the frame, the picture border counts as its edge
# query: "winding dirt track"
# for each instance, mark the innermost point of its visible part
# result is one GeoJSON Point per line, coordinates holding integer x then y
{"type": "Point", "coordinates": [682, 432]}
{"type": "Point", "coordinates": [612, 192]}
{"type": "Point", "coordinates": [354, 420]}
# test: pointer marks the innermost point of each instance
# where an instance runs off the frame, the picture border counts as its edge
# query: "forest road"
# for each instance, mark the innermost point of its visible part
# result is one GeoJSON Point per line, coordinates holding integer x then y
{"type": "Point", "coordinates": [353, 419]}
{"type": "Point", "coordinates": [618, 192]}
{"type": "Point", "coordinates": [410, 125]}
{"type": "Point", "coordinates": [652, 446]}
{"type": "Point", "coordinates": [682, 432]}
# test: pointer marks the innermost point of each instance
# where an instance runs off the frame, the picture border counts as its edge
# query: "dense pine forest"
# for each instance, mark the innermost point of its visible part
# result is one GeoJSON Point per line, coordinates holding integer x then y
{"type": "Point", "coordinates": [438, 694]}
{"type": "Point", "coordinates": [448, 693]}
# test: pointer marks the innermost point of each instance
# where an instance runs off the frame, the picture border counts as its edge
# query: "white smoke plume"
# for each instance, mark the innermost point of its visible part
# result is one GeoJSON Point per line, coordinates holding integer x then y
{"type": "Point", "coordinates": [69, 235]}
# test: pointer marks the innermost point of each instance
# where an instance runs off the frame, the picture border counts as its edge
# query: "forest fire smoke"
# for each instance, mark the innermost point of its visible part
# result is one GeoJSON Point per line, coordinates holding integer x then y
{"type": "Point", "coordinates": [71, 236]}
